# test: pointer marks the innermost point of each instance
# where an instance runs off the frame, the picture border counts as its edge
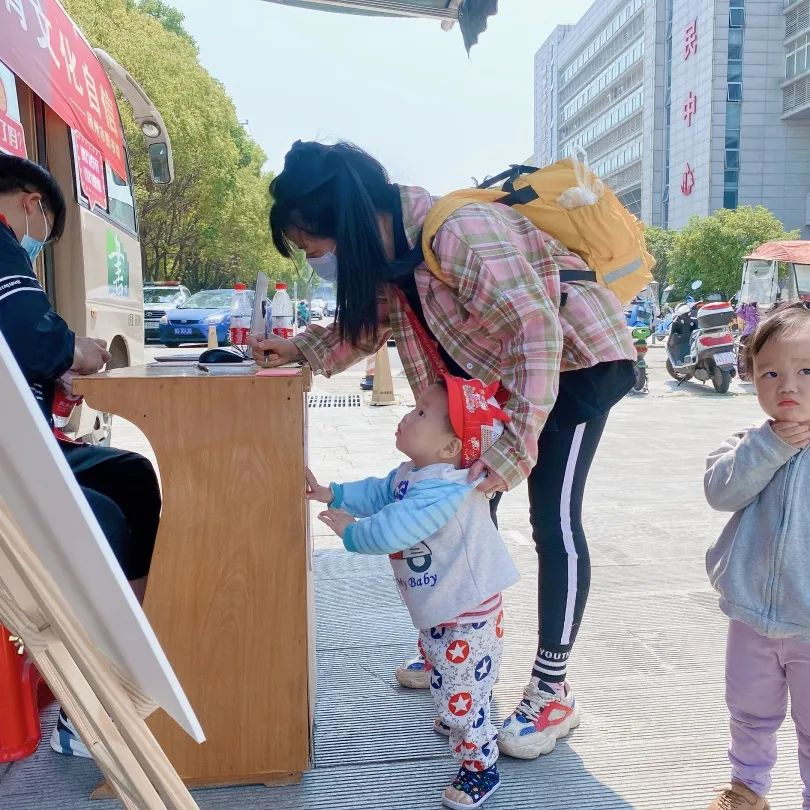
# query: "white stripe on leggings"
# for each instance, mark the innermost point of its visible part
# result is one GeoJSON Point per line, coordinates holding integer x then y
{"type": "Point", "coordinates": [568, 534]}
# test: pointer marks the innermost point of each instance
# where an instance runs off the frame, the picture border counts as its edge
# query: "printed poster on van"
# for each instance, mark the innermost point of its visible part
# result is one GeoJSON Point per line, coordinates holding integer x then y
{"type": "Point", "coordinates": [12, 137]}
{"type": "Point", "coordinates": [90, 163]}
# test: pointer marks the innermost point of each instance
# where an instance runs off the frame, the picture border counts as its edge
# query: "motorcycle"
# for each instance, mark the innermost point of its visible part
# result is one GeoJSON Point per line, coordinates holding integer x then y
{"type": "Point", "coordinates": [701, 344]}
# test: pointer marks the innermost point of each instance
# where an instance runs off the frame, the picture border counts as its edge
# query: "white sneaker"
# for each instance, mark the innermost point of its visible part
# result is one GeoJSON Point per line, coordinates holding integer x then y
{"type": "Point", "coordinates": [65, 739]}
{"type": "Point", "coordinates": [415, 673]}
{"type": "Point", "coordinates": [539, 720]}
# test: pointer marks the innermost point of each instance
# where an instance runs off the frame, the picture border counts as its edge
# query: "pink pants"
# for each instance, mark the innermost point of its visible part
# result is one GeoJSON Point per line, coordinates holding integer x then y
{"type": "Point", "coordinates": [759, 674]}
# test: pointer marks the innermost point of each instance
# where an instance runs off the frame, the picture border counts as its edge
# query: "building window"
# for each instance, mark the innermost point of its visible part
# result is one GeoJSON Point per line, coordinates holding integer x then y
{"type": "Point", "coordinates": [734, 97]}
{"type": "Point", "coordinates": [734, 71]}
{"type": "Point", "coordinates": [736, 18]}
{"type": "Point", "coordinates": [733, 116]}
{"type": "Point", "coordinates": [735, 43]}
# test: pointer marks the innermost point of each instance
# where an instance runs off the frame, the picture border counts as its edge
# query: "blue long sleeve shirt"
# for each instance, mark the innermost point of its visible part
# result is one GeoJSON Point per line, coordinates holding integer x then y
{"type": "Point", "coordinates": [446, 554]}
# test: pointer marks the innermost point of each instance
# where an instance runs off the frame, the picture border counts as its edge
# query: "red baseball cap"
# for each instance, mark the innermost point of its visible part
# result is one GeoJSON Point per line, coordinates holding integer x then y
{"type": "Point", "coordinates": [475, 415]}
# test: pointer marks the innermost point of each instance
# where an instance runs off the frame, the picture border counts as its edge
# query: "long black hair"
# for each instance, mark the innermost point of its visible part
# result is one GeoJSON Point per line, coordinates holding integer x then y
{"type": "Point", "coordinates": [337, 191]}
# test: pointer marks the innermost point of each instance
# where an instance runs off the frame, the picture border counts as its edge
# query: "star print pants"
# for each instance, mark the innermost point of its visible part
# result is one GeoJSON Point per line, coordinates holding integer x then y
{"type": "Point", "coordinates": [466, 659]}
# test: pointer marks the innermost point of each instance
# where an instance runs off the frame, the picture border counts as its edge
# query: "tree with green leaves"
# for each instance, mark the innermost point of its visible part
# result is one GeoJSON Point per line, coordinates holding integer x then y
{"type": "Point", "coordinates": [710, 249]}
{"type": "Point", "coordinates": [660, 243]}
{"type": "Point", "coordinates": [210, 227]}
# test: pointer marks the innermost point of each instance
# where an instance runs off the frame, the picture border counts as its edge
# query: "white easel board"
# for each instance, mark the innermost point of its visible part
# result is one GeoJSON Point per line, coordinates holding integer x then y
{"type": "Point", "coordinates": [39, 489]}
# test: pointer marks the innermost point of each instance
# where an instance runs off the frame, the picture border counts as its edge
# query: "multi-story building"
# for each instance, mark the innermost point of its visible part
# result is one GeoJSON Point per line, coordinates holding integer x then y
{"type": "Point", "coordinates": [684, 106]}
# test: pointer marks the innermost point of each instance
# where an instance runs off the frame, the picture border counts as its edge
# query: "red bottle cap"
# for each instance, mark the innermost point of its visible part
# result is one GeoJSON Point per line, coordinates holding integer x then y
{"type": "Point", "coordinates": [280, 285]}
{"type": "Point", "coordinates": [239, 286]}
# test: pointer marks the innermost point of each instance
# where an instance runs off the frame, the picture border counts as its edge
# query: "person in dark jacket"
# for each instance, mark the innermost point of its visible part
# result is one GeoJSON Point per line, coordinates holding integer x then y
{"type": "Point", "coordinates": [121, 487]}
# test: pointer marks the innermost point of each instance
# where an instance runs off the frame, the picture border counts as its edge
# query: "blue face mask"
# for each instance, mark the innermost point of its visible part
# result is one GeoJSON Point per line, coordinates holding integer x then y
{"type": "Point", "coordinates": [325, 266]}
{"type": "Point", "coordinates": [33, 247]}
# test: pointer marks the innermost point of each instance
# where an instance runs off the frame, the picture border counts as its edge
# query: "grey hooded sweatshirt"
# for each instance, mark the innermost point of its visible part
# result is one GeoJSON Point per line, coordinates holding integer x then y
{"type": "Point", "coordinates": [760, 565]}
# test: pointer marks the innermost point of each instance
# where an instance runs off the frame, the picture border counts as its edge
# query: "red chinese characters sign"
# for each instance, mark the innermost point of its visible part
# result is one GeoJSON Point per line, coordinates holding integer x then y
{"type": "Point", "coordinates": [91, 171]}
{"type": "Point", "coordinates": [690, 108]}
{"type": "Point", "coordinates": [41, 44]}
{"type": "Point", "coordinates": [690, 40]}
{"type": "Point", "coordinates": [12, 137]}
{"type": "Point", "coordinates": [688, 180]}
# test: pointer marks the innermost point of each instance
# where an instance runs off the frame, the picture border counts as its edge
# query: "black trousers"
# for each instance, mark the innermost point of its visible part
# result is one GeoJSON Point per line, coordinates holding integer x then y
{"type": "Point", "coordinates": [556, 488]}
{"type": "Point", "coordinates": [123, 492]}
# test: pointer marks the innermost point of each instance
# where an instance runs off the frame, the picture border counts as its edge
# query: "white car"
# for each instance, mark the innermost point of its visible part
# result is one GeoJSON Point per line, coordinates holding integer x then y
{"type": "Point", "coordinates": [158, 298]}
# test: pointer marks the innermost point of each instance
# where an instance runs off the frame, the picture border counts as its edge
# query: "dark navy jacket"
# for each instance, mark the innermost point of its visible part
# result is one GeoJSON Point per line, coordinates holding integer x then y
{"type": "Point", "coordinates": [40, 340]}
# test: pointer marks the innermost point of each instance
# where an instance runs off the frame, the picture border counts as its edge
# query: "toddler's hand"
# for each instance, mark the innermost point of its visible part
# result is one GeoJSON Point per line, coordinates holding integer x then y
{"type": "Point", "coordinates": [337, 520]}
{"type": "Point", "coordinates": [315, 492]}
{"type": "Point", "coordinates": [796, 434]}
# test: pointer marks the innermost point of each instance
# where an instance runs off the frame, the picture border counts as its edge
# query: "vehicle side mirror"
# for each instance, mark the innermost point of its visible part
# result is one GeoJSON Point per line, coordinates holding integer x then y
{"type": "Point", "coordinates": [160, 163]}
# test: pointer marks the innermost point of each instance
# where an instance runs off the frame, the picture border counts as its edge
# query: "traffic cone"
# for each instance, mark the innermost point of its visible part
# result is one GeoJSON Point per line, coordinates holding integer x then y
{"type": "Point", "coordinates": [20, 731]}
{"type": "Point", "coordinates": [383, 392]}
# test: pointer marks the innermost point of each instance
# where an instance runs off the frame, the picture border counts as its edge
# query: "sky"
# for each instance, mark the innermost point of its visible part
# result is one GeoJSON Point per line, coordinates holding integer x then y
{"type": "Point", "coordinates": [402, 89]}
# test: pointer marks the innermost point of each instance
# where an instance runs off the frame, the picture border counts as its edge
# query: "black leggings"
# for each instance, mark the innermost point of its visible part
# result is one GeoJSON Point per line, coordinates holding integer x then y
{"type": "Point", "coordinates": [556, 487]}
{"type": "Point", "coordinates": [123, 492]}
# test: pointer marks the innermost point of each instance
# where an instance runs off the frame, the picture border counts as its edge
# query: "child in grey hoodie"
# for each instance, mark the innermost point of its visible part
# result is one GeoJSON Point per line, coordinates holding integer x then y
{"type": "Point", "coordinates": [761, 563]}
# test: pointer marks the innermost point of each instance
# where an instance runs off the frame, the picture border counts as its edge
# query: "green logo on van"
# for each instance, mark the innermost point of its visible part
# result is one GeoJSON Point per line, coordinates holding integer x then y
{"type": "Point", "coordinates": [117, 266]}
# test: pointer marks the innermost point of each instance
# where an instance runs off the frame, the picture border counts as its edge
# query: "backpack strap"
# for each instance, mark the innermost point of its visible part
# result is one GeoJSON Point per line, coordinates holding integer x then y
{"type": "Point", "coordinates": [408, 259]}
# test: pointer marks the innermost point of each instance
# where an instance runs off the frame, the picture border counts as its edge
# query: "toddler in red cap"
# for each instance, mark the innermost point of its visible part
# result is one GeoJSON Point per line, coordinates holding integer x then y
{"type": "Point", "coordinates": [449, 562]}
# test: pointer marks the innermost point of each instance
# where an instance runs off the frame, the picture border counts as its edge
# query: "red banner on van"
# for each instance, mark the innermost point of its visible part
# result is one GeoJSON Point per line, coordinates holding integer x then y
{"type": "Point", "coordinates": [43, 46]}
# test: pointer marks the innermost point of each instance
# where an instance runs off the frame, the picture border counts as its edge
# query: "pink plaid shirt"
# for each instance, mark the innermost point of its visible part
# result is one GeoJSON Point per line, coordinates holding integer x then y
{"type": "Point", "coordinates": [498, 317]}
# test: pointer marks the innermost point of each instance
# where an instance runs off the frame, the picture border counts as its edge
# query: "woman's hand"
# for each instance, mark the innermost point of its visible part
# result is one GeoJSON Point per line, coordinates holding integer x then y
{"type": "Point", "coordinates": [274, 351]}
{"type": "Point", "coordinates": [491, 484]}
{"type": "Point", "coordinates": [337, 520]}
{"type": "Point", "coordinates": [316, 492]}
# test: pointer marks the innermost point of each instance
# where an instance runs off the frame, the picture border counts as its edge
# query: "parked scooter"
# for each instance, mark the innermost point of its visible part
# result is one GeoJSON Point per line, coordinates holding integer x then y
{"type": "Point", "coordinates": [701, 345]}
{"type": "Point", "coordinates": [640, 335]}
{"type": "Point", "coordinates": [640, 316]}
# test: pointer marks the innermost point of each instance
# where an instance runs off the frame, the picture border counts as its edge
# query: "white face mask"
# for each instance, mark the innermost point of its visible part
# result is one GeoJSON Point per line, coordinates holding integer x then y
{"type": "Point", "coordinates": [325, 266]}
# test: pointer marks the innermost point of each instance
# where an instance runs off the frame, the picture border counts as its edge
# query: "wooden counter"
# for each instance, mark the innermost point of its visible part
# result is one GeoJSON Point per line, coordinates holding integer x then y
{"type": "Point", "coordinates": [229, 591]}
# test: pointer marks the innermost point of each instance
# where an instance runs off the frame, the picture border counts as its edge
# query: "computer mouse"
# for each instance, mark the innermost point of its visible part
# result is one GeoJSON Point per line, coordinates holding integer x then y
{"type": "Point", "coordinates": [221, 356]}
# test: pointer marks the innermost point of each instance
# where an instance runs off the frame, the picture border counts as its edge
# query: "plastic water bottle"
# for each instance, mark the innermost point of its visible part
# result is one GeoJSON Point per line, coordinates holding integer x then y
{"type": "Point", "coordinates": [283, 313]}
{"type": "Point", "coordinates": [64, 400]}
{"type": "Point", "coordinates": [268, 317]}
{"type": "Point", "coordinates": [241, 315]}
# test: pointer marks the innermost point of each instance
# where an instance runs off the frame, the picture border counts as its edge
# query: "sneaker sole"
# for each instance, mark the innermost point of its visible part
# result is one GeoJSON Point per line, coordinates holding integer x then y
{"type": "Point", "coordinates": [458, 806]}
{"type": "Point", "coordinates": [440, 729]}
{"type": "Point", "coordinates": [530, 748]}
{"type": "Point", "coordinates": [413, 679]}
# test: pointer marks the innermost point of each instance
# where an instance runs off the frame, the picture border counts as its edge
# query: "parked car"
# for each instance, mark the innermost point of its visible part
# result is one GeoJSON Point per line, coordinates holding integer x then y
{"type": "Point", "coordinates": [158, 298]}
{"type": "Point", "coordinates": [330, 310]}
{"type": "Point", "coordinates": [317, 309]}
{"type": "Point", "coordinates": [189, 323]}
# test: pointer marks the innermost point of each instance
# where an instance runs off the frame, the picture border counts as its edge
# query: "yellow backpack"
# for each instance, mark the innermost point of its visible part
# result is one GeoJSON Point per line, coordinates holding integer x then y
{"type": "Point", "coordinates": [568, 202]}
